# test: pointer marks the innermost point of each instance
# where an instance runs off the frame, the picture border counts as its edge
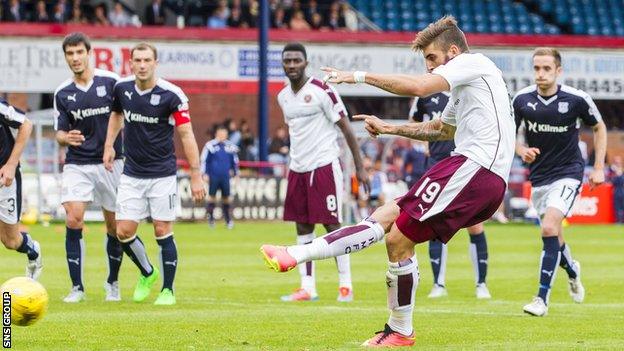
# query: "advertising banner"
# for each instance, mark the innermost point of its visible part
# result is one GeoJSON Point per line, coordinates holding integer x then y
{"type": "Point", "coordinates": [38, 65]}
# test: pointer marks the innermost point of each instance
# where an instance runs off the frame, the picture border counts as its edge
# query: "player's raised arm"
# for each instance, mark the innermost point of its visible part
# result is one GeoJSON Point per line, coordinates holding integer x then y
{"type": "Point", "coordinates": [24, 128]}
{"type": "Point", "coordinates": [400, 84]}
{"type": "Point", "coordinates": [433, 130]}
{"type": "Point", "coordinates": [189, 144]}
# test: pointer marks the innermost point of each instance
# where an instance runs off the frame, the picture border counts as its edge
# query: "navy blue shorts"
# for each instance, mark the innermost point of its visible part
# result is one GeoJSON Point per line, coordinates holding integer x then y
{"type": "Point", "coordinates": [219, 183]}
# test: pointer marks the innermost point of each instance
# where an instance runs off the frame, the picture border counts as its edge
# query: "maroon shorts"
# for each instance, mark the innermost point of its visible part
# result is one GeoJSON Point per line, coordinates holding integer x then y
{"type": "Point", "coordinates": [455, 193]}
{"type": "Point", "coordinates": [315, 196]}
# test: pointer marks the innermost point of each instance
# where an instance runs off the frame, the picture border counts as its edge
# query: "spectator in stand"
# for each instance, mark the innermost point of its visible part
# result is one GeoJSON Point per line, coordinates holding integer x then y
{"type": "Point", "coordinates": [41, 13]}
{"type": "Point", "coordinates": [77, 17]}
{"type": "Point", "coordinates": [294, 7]}
{"type": "Point", "coordinates": [350, 17]}
{"type": "Point", "coordinates": [247, 143]}
{"type": "Point", "coordinates": [310, 10]}
{"type": "Point", "coordinates": [252, 13]}
{"type": "Point", "coordinates": [219, 18]}
{"type": "Point", "coordinates": [278, 19]}
{"type": "Point", "coordinates": [196, 13]}
{"type": "Point", "coordinates": [298, 22]}
{"type": "Point", "coordinates": [335, 21]}
{"type": "Point", "coordinates": [61, 12]}
{"type": "Point", "coordinates": [14, 11]}
{"type": "Point", "coordinates": [617, 179]}
{"type": "Point", "coordinates": [155, 13]}
{"type": "Point", "coordinates": [100, 18]}
{"type": "Point", "coordinates": [278, 149]}
{"type": "Point", "coordinates": [236, 19]}
{"type": "Point", "coordinates": [233, 132]}
{"type": "Point", "coordinates": [119, 17]}
{"type": "Point", "coordinates": [317, 22]}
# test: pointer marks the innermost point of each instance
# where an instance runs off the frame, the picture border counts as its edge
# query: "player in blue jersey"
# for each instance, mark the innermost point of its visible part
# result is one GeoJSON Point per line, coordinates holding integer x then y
{"type": "Point", "coordinates": [11, 187]}
{"type": "Point", "coordinates": [219, 161]}
{"type": "Point", "coordinates": [424, 110]}
{"type": "Point", "coordinates": [82, 107]}
{"type": "Point", "coordinates": [551, 114]}
{"type": "Point", "coordinates": [150, 108]}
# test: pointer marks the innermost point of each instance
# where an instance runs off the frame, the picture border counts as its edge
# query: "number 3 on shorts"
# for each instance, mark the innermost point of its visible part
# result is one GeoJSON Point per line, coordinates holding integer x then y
{"type": "Point", "coordinates": [331, 202]}
{"type": "Point", "coordinates": [431, 190]}
{"type": "Point", "coordinates": [11, 206]}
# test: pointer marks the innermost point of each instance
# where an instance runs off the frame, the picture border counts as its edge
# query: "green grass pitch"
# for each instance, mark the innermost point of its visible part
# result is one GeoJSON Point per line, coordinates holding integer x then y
{"type": "Point", "coordinates": [228, 299]}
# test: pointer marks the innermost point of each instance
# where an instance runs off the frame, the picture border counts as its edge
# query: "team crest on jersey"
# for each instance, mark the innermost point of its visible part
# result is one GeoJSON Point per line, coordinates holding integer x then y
{"type": "Point", "coordinates": [101, 91]}
{"type": "Point", "coordinates": [307, 98]}
{"type": "Point", "coordinates": [563, 107]}
{"type": "Point", "coordinates": [155, 99]}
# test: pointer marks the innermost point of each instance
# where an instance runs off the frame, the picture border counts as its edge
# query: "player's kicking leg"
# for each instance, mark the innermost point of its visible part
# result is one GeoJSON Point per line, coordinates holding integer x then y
{"type": "Point", "coordinates": [355, 238]}
{"type": "Point", "coordinates": [343, 263]}
{"type": "Point", "coordinates": [479, 255]}
{"type": "Point", "coordinates": [344, 240]}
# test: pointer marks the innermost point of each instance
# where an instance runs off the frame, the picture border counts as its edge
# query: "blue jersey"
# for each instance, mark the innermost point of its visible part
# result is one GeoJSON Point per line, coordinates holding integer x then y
{"type": "Point", "coordinates": [10, 118]}
{"type": "Point", "coordinates": [552, 125]}
{"type": "Point", "coordinates": [429, 108]}
{"type": "Point", "coordinates": [87, 109]}
{"type": "Point", "coordinates": [219, 158]}
{"type": "Point", "coordinates": [150, 117]}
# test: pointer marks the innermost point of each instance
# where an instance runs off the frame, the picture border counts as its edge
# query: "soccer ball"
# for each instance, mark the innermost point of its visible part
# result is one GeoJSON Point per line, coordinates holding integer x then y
{"type": "Point", "coordinates": [29, 300]}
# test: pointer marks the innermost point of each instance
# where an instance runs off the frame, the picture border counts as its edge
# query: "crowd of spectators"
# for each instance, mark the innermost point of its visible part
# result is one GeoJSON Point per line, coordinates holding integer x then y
{"type": "Point", "coordinates": [68, 11]}
{"type": "Point", "coordinates": [298, 15]}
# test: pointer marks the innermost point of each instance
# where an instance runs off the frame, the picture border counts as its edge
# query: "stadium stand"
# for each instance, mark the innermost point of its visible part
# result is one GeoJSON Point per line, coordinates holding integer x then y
{"type": "Point", "coordinates": [576, 17]}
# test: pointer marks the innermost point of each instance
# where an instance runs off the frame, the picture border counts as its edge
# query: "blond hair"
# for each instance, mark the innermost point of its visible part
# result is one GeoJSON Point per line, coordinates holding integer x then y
{"type": "Point", "coordinates": [144, 46]}
{"type": "Point", "coordinates": [444, 33]}
{"type": "Point", "coordinates": [548, 51]}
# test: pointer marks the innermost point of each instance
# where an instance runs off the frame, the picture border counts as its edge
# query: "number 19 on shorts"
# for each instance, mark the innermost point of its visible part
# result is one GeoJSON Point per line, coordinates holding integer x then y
{"type": "Point", "coordinates": [429, 190]}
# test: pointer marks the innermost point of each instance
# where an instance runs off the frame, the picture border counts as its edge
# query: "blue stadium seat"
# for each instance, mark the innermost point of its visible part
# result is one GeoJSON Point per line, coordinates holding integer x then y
{"type": "Point", "coordinates": [579, 28]}
{"type": "Point", "coordinates": [467, 27]}
{"type": "Point", "coordinates": [392, 26]}
{"type": "Point", "coordinates": [592, 30]}
{"type": "Point", "coordinates": [539, 29]}
{"type": "Point", "coordinates": [553, 30]}
{"type": "Point", "coordinates": [391, 4]}
{"type": "Point", "coordinates": [510, 28]}
{"type": "Point", "coordinates": [524, 28]}
{"type": "Point", "coordinates": [408, 26]}
{"type": "Point", "coordinates": [607, 31]}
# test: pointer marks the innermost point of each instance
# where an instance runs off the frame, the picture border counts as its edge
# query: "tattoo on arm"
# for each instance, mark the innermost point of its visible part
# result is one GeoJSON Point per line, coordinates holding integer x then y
{"type": "Point", "coordinates": [426, 131]}
{"type": "Point", "coordinates": [387, 85]}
